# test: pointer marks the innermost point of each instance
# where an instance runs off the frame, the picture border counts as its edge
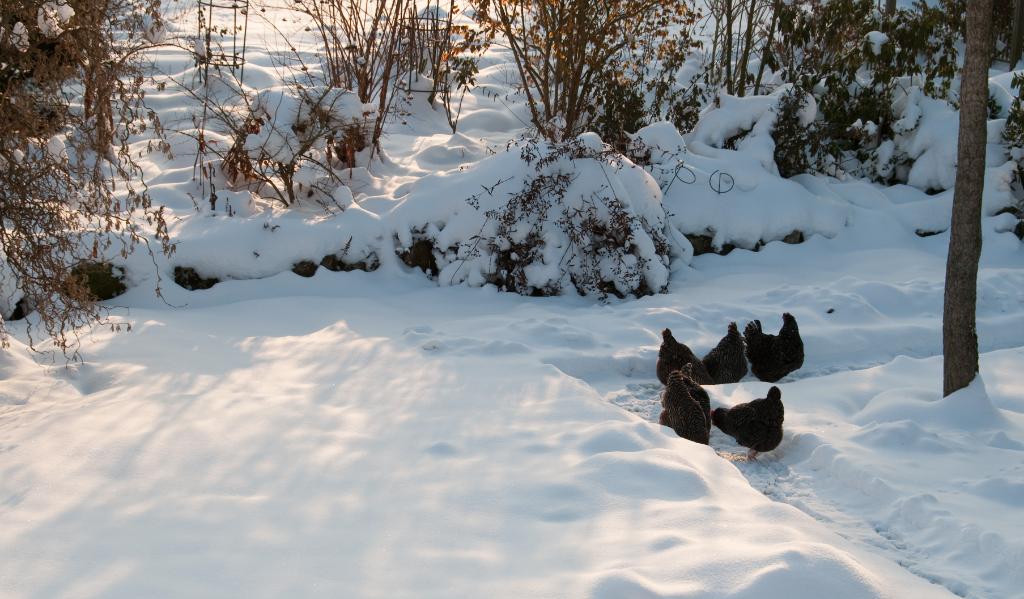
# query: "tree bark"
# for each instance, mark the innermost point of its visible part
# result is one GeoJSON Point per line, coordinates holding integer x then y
{"type": "Point", "coordinates": [1018, 33]}
{"type": "Point", "coordinates": [959, 329]}
{"type": "Point", "coordinates": [769, 39]}
{"type": "Point", "coordinates": [727, 49]}
{"type": "Point", "coordinates": [890, 7]}
{"type": "Point", "coordinates": [748, 41]}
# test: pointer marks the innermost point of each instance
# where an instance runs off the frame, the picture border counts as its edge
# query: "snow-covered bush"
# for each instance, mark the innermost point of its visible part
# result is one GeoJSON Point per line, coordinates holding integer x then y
{"type": "Point", "coordinates": [859, 64]}
{"type": "Point", "coordinates": [658, 78]}
{"type": "Point", "coordinates": [295, 140]}
{"type": "Point", "coordinates": [1013, 131]}
{"type": "Point", "coordinates": [778, 130]}
{"type": "Point", "coordinates": [542, 219]}
{"type": "Point", "coordinates": [10, 293]}
{"type": "Point", "coordinates": [798, 142]}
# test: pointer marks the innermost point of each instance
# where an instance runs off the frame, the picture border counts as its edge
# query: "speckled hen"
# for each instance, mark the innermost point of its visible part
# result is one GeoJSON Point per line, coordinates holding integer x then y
{"type": "Point", "coordinates": [774, 356]}
{"type": "Point", "coordinates": [727, 363]}
{"type": "Point", "coordinates": [673, 355]}
{"type": "Point", "coordinates": [686, 407]}
{"type": "Point", "coordinates": [756, 425]}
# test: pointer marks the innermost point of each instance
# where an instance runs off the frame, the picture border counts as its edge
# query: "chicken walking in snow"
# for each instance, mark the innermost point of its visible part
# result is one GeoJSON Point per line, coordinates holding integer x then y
{"type": "Point", "coordinates": [687, 407]}
{"type": "Point", "coordinates": [673, 355]}
{"type": "Point", "coordinates": [726, 363]}
{"type": "Point", "coordinates": [756, 425]}
{"type": "Point", "coordinates": [774, 356]}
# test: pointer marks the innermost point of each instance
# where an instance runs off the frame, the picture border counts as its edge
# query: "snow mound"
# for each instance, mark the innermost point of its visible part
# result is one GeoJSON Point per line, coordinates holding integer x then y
{"type": "Point", "coordinates": [10, 293]}
{"type": "Point", "coordinates": [542, 218]}
{"type": "Point", "coordinates": [734, 197]}
{"type": "Point", "coordinates": [270, 242]}
{"type": "Point", "coordinates": [968, 408]}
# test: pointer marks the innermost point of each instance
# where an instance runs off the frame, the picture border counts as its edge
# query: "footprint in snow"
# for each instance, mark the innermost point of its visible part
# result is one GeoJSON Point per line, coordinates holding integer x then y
{"type": "Point", "coordinates": [643, 399]}
{"type": "Point", "coordinates": [430, 340]}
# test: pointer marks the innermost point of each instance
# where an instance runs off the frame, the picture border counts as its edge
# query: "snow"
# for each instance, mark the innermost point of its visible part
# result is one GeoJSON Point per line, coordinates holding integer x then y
{"type": "Point", "coordinates": [56, 148]}
{"type": "Point", "coordinates": [877, 39]}
{"type": "Point", "coordinates": [10, 294]}
{"type": "Point", "coordinates": [730, 195]}
{"type": "Point", "coordinates": [251, 247]}
{"type": "Point", "coordinates": [386, 434]}
{"type": "Point", "coordinates": [52, 16]}
{"type": "Point", "coordinates": [19, 36]}
{"type": "Point", "coordinates": [923, 472]}
{"type": "Point", "coordinates": [932, 124]}
{"type": "Point", "coordinates": [730, 116]}
{"type": "Point", "coordinates": [336, 451]}
{"type": "Point", "coordinates": [286, 111]}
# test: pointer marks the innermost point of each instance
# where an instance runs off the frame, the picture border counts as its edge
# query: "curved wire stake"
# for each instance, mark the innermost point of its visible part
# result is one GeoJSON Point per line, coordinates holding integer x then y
{"type": "Point", "coordinates": [723, 184]}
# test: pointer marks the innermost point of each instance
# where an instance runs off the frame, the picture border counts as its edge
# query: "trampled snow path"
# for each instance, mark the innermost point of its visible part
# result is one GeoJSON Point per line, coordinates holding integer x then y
{"type": "Point", "coordinates": [829, 470]}
{"type": "Point", "coordinates": [870, 451]}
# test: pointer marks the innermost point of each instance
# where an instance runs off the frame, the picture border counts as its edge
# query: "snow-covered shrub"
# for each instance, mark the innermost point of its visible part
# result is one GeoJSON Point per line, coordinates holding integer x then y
{"type": "Point", "coordinates": [294, 142]}
{"type": "Point", "coordinates": [859, 64]}
{"type": "Point", "coordinates": [541, 219]}
{"type": "Point", "coordinates": [721, 198]}
{"type": "Point", "coordinates": [10, 293]}
{"type": "Point", "coordinates": [798, 140]}
{"type": "Point", "coordinates": [656, 79]}
{"type": "Point", "coordinates": [778, 130]}
{"type": "Point", "coordinates": [1013, 131]}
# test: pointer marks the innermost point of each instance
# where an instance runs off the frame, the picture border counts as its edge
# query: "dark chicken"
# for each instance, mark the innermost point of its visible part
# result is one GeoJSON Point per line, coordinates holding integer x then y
{"type": "Point", "coordinates": [756, 425]}
{"type": "Point", "coordinates": [674, 355]}
{"type": "Point", "coordinates": [726, 363]}
{"type": "Point", "coordinates": [687, 408]}
{"type": "Point", "coordinates": [774, 356]}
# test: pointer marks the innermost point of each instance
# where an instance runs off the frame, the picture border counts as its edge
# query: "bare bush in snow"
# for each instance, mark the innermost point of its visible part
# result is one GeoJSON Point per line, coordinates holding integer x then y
{"type": "Point", "coordinates": [446, 52]}
{"type": "Point", "coordinates": [362, 49]}
{"type": "Point", "coordinates": [70, 189]}
{"type": "Point", "coordinates": [566, 51]}
{"type": "Point", "coordinates": [293, 142]}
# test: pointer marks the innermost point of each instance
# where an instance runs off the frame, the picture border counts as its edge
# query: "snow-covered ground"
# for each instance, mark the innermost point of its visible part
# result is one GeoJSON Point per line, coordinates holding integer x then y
{"type": "Point", "coordinates": [376, 434]}
{"type": "Point", "coordinates": [371, 435]}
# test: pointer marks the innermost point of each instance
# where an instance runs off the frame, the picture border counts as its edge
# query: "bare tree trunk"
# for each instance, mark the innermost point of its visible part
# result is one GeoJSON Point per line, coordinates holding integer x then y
{"type": "Point", "coordinates": [715, 77]}
{"type": "Point", "coordinates": [727, 49]}
{"type": "Point", "coordinates": [890, 7]}
{"type": "Point", "coordinates": [1018, 33]}
{"type": "Point", "coordinates": [748, 41]}
{"type": "Point", "coordinates": [959, 328]}
{"type": "Point", "coordinates": [767, 48]}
